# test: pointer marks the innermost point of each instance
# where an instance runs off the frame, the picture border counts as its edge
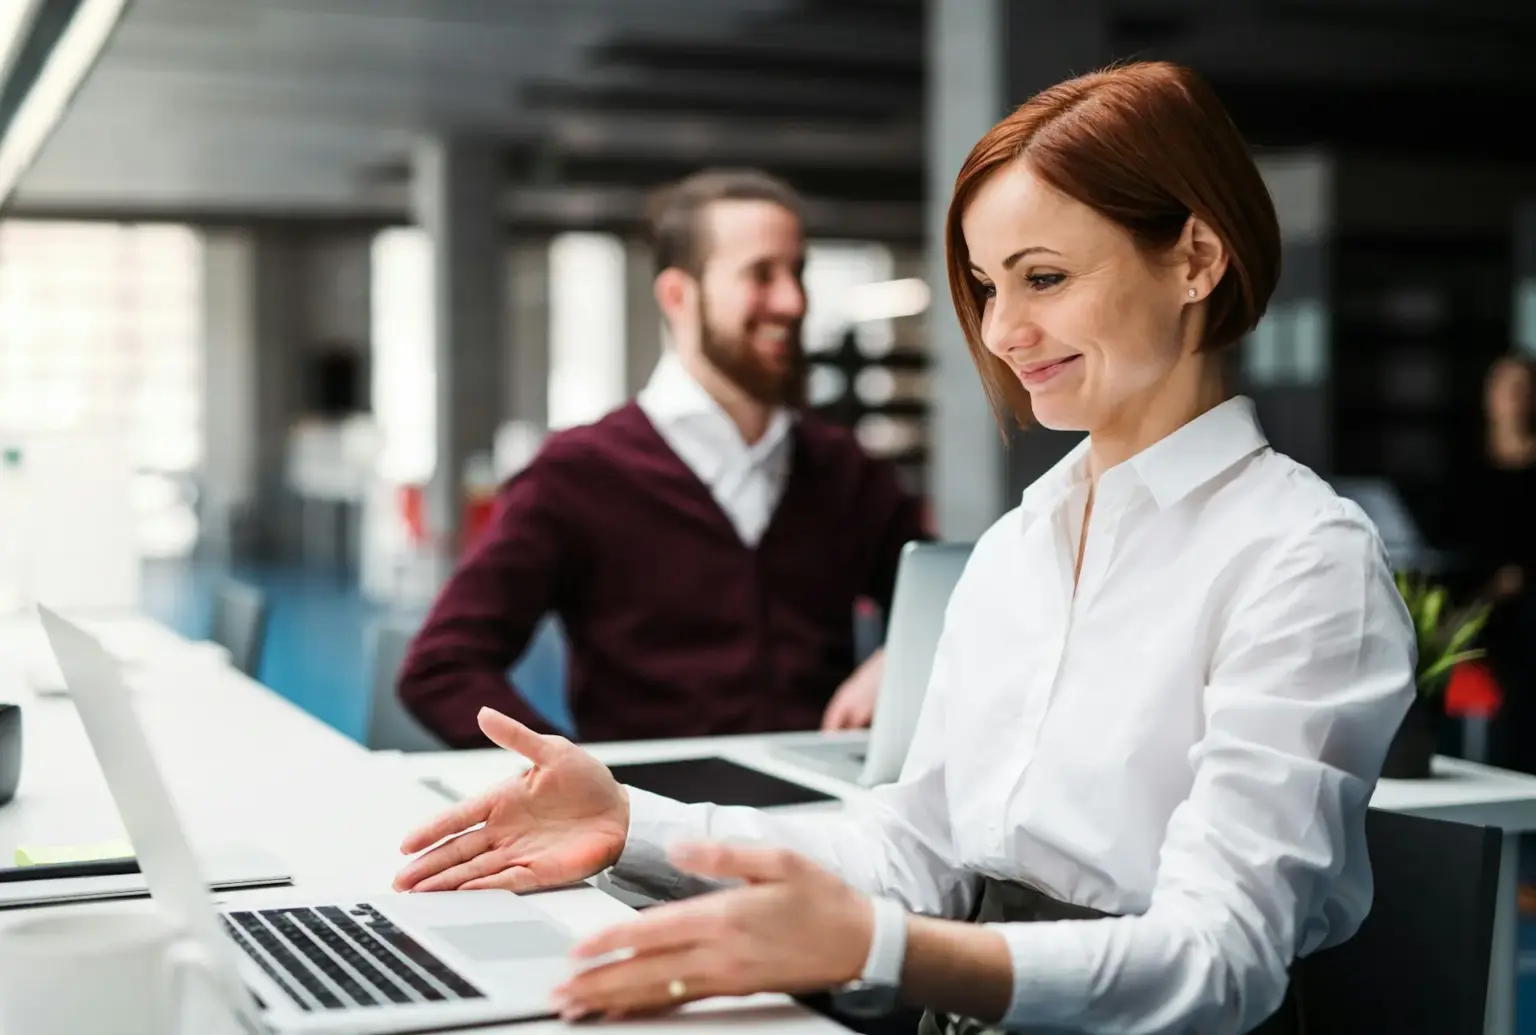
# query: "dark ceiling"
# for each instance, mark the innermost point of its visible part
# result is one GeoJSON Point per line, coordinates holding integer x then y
{"type": "Point", "coordinates": [1408, 78]}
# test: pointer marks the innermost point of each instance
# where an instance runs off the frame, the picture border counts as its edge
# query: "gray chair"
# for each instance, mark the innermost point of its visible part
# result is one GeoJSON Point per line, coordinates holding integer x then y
{"type": "Point", "coordinates": [390, 727]}
{"type": "Point", "coordinates": [1419, 962]}
{"type": "Point", "coordinates": [239, 624]}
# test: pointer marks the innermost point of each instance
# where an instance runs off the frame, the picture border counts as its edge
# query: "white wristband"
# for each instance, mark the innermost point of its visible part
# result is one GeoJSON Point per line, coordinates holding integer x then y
{"type": "Point", "coordinates": [887, 944]}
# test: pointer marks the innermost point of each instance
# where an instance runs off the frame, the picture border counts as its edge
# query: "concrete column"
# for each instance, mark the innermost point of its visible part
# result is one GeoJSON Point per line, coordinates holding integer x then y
{"type": "Point", "coordinates": [527, 339]}
{"type": "Point", "coordinates": [984, 58]}
{"type": "Point", "coordinates": [229, 476]}
{"type": "Point", "coordinates": [642, 320]}
{"type": "Point", "coordinates": [965, 97]}
{"type": "Point", "coordinates": [1286, 362]}
{"type": "Point", "coordinates": [454, 191]}
{"type": "Point", "coordinates": [276, 531]}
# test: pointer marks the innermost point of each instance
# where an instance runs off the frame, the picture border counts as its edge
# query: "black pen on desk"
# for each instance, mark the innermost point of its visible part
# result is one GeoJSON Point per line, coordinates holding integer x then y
{"type": "Point", "coordinates": [62, 870]}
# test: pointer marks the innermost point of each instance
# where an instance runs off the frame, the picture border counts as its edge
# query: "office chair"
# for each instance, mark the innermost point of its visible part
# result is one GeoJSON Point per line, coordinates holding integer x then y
{"type": "Point", "coordinates": [390, 726]}
{"type": "Point", "coordinates": [240, 624]}
{"type": "Point", "coordinates": [1419, 962]}
{"type": "Point", "coordinates": [540, 673]}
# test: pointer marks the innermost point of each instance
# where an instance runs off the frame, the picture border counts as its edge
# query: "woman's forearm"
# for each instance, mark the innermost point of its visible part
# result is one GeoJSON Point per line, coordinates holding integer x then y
{"type": "Point", "coordinates": [957, 967]}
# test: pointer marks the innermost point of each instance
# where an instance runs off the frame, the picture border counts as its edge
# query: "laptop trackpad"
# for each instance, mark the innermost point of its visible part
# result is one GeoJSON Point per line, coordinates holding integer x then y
{"type": "Point", "coordinates": [504, 940]}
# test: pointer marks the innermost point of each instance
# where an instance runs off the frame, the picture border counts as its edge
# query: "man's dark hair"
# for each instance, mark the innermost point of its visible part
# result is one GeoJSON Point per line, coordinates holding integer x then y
{"type": "Point", "coordinates": [675, 213]}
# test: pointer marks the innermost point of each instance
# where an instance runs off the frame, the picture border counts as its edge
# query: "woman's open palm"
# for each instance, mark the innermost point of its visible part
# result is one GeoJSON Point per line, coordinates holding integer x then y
{"type": "Point", "coordinates": [560, 822]}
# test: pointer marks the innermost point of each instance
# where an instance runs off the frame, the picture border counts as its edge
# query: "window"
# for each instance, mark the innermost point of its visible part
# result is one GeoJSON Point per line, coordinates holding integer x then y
{"type": "Point", "coordinates": [404, 387]}
{"type": "Point", "coordinates": [587, 333]}
{"type": "Point", "coordinates": [100, 332]}
{"type": "Point", "coordinates": [833, 270]}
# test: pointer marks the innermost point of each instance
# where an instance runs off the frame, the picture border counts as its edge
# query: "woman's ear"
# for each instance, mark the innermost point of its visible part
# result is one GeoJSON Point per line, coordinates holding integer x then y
{"type": "Point", "coordinates": [1202, 258]}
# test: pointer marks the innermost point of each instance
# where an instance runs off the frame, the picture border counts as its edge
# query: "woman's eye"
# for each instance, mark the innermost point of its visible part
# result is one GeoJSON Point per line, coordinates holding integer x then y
{"type": "Point", "coordinates": [985, 290]}
{"type": "Point", "coordinates": [1041, 281]}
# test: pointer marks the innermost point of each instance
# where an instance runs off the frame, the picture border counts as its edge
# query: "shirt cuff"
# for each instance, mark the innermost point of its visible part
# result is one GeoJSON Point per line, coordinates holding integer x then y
{"type": "Point", "coordinates": [655, 824]}
{"type": "Point", "coordinates": [1049, 968]}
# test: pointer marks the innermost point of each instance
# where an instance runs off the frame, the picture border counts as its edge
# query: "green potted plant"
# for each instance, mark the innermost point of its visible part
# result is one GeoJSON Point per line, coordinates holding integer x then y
{"type": "Point", "coordinates": [1445, 637]}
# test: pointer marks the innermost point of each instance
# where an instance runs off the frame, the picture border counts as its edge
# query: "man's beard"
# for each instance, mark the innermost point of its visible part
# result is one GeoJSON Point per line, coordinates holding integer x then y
{"type": "Point", "coordinates": [735, 358]}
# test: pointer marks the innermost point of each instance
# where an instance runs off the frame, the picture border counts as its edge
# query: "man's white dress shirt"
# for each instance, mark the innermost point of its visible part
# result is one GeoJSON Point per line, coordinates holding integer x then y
{"type": "Point", "coordinates": [747, 481]}
{"type": "Point", "coordinates": [1189, 739]}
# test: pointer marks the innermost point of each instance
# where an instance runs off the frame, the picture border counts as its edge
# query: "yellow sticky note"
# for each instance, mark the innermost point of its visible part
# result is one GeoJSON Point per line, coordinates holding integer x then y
{"type": "Point", "coordinates": [32, 855]}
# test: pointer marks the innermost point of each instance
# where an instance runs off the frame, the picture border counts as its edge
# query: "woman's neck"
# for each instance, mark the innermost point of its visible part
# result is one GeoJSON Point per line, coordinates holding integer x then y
{"type": "Point", "coordinates": [1164, 410]}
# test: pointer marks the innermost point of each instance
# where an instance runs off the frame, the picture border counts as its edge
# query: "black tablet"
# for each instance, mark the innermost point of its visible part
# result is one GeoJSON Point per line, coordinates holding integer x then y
{"type": "Point", "coordinates": [712, 779]}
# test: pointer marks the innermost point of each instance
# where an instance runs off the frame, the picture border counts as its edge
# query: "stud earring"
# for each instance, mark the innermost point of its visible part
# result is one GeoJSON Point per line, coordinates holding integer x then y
{"type": "Point", "coordinates": [1192, 292]}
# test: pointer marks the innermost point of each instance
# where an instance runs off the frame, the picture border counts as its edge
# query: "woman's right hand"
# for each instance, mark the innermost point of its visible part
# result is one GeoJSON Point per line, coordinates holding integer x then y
{"type": "Point", "coordinates": [560, 822]}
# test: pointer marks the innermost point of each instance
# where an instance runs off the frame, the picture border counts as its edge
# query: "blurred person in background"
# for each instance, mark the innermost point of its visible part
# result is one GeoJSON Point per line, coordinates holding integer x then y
{"type": "Point", "coordinates": [705, 544]}
{"type": "Point", "coordinates": [1502, 543]}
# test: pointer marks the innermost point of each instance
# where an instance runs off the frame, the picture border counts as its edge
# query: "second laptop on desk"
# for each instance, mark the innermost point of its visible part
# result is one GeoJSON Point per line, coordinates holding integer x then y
{"type": "Point", "coordinates": [925, 580]}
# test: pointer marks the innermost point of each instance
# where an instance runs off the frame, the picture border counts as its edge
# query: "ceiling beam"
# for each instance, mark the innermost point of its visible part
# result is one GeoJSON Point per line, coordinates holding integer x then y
{"type": "Point", "coordinates": [750, 93]}
{"type": "Point", "coordinates": [1300, 52]}
{"type": "Point", "coordinates": [695, 139]}
{"type": "Point", "coordinates": [871, 50]}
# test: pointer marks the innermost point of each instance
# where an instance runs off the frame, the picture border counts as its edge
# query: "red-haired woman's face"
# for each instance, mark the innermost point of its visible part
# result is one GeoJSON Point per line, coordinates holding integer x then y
{"type": "Point", "coordinates": [1089, 324]}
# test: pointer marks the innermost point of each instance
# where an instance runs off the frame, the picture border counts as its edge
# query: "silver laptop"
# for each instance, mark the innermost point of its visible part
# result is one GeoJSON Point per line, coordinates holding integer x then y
{"type": "Point", "coordinates": [364, 964]}
{"type": "Point", "coordinates": [925, 578]}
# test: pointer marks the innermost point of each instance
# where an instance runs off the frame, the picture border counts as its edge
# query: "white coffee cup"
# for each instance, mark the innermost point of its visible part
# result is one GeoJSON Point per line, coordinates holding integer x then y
{"type": "Point", "coordinates": [125, 970]}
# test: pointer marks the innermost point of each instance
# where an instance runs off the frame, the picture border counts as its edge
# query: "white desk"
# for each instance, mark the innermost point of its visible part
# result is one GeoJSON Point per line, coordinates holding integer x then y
{"type": "Point", "coordinates": [462, 773]}
{"type": "Point", "coordinates": [243, 764]}
{"type": "Point", "coordinates": [1462, 791]}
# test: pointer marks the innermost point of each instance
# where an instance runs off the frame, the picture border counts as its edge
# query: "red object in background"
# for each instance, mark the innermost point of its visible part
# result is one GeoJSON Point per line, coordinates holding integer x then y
{"type": "Point", "coordinates": [412, 511]}
{"type": "Point", "coordinates": [478, 511]}
{"type": "Point", "coordinates": [1472, 693]}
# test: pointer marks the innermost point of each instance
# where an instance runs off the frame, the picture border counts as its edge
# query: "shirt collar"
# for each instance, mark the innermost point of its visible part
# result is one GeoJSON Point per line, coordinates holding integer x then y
{"type": "Point", "coordinates": [671, 392]}
{"type": "Point", "coordinates": [672, 397]}
{"type": "Point", "coordinates": [1172, 467]}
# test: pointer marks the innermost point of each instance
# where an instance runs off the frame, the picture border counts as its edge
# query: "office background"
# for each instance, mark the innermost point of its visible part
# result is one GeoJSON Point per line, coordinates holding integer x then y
{"type": "Point", "coordinates": [329, 269]}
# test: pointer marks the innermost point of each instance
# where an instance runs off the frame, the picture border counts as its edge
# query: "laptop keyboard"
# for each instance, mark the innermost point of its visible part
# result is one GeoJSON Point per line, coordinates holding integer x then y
{"type": "Point", "coordinates": [330, 958]}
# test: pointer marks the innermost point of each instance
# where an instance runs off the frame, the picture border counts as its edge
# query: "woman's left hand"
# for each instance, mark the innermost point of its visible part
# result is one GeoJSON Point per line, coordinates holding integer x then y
{"type": "Point", "coordinates": [792, 927]}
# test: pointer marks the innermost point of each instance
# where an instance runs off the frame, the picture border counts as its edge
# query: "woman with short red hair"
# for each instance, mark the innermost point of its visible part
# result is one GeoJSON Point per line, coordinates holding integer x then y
{"type": "Point", "coordinates": [1165, 686]}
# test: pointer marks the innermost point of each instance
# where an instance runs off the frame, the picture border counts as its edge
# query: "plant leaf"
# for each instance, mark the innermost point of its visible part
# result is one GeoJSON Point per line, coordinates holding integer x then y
{"type": "Point", "coordinates": [1446, 663]}
{"type": "Point", "coordinates": [1434, 603]}
{"type": "Point", "coordinates": [1465, 633]}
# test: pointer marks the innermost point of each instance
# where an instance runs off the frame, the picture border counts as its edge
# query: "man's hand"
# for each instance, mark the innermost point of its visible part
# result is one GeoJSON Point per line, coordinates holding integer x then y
{"type": "Point", "coordinates": [853, 706]}
{"type": "Point", "coordinates": [560, 822]}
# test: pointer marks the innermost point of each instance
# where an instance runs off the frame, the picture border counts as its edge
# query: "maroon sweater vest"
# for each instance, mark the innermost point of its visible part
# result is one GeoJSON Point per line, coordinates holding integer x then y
{"type": "Point", "coordinates": [675, 627]}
